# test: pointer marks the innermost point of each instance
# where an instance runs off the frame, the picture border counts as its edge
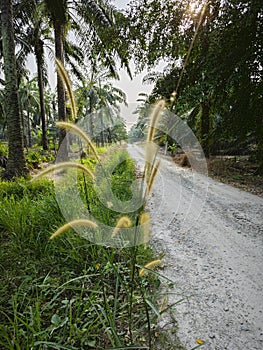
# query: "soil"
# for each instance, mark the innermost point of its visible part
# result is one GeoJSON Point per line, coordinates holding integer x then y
{"type": "Point", "coordinates": [237, 171]}
{"type": "Point", "coordinates": [211, 235]}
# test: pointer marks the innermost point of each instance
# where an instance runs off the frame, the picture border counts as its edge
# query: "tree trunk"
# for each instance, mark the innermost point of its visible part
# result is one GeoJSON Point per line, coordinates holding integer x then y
{"type": "Point", "coordinates": [25, 143]}
{"type": "Point", "coordinates": [59, 50]}
{"type": "Point", "coordinates": [16, 165]}
{"type": "Point", "coordinates": [205, 127]}
{"type": "Point", "coordinates": [29, 133]}
{"type": "Point", "coordinates": [39, 52]}
{"type": "Point", "coordinates": [109, 136]}
{"type": "Point", "coordinates": [102, 135]}
{"type": "Point", "coordinates": [91, 121]}
{"type": "Point", "coordinates": [259, 153]}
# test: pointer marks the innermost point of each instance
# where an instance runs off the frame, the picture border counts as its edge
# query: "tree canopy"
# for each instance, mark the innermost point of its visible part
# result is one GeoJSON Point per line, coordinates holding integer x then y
{"type": "Point", "coordinates": [212, 50]}
{"type": "Point", "coordinates": [221, 85]}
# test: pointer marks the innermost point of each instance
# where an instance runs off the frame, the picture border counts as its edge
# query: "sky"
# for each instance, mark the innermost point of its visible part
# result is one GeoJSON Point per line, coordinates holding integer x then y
{"type": "Point", "coordinates": [120, 3]}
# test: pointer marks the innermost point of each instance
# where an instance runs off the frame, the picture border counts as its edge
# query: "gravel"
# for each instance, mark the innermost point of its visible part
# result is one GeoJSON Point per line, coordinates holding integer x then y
{"type": "Point", "coordinates": [212, 236]}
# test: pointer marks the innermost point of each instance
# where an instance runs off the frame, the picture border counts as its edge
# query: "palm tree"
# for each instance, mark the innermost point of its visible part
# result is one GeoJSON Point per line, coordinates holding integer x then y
{"type": "Point", "coordinates": [58, 13]}
{"type": "Point", "coordinates": [38, 44]}
{"type": "Point", "coordinates": [30, 105]}
{"type": "Point", "coordinates": [109, 99]}
{"type": "Point", "coordinates": [16, 159]}
{"type": "Point", "coordinates": [95, 22]}
{"type": "Point", "coordinates": [2, 112]}
{"type": "Point", "coordinates": [32, 35]}
{"type": "Point", "coordinates": [100, 96]}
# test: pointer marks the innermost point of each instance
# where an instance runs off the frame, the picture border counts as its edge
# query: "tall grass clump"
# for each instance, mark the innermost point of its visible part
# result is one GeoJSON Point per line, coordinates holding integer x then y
{"type": "Point", "coordinates": [68, 292]}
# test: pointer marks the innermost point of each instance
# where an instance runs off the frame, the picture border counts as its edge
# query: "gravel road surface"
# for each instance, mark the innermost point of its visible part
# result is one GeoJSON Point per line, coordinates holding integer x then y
{"type": "Point", "coordinates": [212, 236]}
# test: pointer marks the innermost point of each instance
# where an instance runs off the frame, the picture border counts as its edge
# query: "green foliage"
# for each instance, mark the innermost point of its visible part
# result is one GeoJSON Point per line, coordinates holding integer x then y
{"type": "Point", "coordinates": [35, 157]}
{"type": "Point", "coordinates": [222, 80]}
{"type": "Point", "coordinates": [172, 148]}
{"type": "Point", "coordinates": [3, 149]}
{"type": "Point", "coordinates": [101, 150]}
{"type": "Point", "coordinates": [25, 224]}
{"type": "Point", "coordinates": [23, 188]}
{"type": "Point", "coordinates": [89, 162]}
{"type": "Point", "coordinates": [118, 131]}
{"type": "Point", "coordinates": [122, 176]}
{"type": "Point", "coordinates": [116, 174]}
{"type": "Point", "coordinates": [69, 293]}
{"type": "Point", "coordinates": [160, 35]}
{"type": "Point", "coordinates": [82, 308]}
{"type": "Point", "coordinates": [139, 130]}
{"type": "Point", "coordinates": [98, 96]}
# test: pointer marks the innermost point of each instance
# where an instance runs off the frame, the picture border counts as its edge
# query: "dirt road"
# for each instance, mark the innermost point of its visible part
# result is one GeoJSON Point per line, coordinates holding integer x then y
{"type": "Point", "coordinates": [212, 236]}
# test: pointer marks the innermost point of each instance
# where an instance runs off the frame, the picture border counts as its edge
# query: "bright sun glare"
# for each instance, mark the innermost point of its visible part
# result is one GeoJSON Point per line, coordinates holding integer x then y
{"type": "Point", "coordinates": [195, 6]}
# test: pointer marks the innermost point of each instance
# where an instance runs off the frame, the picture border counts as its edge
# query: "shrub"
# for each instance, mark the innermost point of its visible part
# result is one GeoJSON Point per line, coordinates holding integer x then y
{"type": "Point", "coordinates": [21, 187]}
{"type": "Point", "coordinates": [3, 149]}
{"type": "Point", "coordinates": [36, 156]}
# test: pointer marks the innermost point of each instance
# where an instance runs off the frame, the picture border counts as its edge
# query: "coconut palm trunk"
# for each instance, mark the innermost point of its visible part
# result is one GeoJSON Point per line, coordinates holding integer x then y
{"type": "Point", "coordinates": [57, 10]}
{"type": "Point", "coordinates": [102, 133]}
{"type": "Point", "coordinates": [16, 159]}
{"type": "Point", "coordinates": [62, 115]}
{"type": "Point", "coordinates": [39, 53]}
{"type": "Point", "coordinates": [29, 132]}
{"type": "Point", "coordinates": [91, 121]}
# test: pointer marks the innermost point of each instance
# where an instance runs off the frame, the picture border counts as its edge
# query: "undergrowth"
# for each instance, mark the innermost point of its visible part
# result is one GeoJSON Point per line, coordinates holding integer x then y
{"type": "Point", "coordinates": [69, 293]}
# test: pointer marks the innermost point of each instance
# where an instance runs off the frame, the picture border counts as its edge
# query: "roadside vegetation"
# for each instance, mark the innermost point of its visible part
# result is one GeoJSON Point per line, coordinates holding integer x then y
{"type": "Point", "coordinates": [63, 290]}
{"type": "Point", "coordinates": [69, 293]}
{"type": "Point", "coordinates": [238, 171]}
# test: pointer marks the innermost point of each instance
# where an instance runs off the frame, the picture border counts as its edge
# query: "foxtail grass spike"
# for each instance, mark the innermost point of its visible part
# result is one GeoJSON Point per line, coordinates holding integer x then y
{"type": "Point", "coordinates": [65, 78]}
{"type": "Point", "coordinates": [64, 165]}
{"type": "Point", "coordinates": [154, 119]}
{"type": "Point", "coordinates": [72, 224]}
{"type": "Point", "coordinates": [144, 218]}
{"type": "Point", "coordinates": [164, 304]}
{"type": "Point", "coordinates": [152, 177]}
{"type": "Point", "coordinates": [151, 150]}
{"type": "Point", "coordinates": [123, 222]}
{"type": "Point", "coordinates": [145, 222]}
{"type": "Point", "coordinates": [80, 133]}
{"type": "Point", "coordinates": [149, 266]}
